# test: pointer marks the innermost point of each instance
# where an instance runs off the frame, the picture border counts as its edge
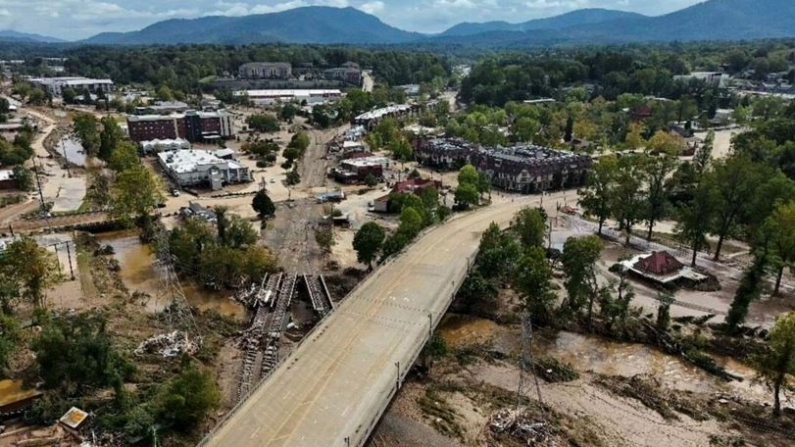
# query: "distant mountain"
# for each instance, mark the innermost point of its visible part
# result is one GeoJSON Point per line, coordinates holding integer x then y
{"type": "Point", "coordinates": [312, 24]}
{"type": "Point", "coordinates": [15, 36]}
{"type": "Point", "coordinates": [563, 21]}
{"type": "Point", "coordinates": [711, 20]}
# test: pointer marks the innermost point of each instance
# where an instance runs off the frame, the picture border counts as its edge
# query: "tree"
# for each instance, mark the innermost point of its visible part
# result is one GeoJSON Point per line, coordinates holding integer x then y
{"type": "Point", "coordinates": [750, 287]}
{"type": "Point", "coordinates": [186, 400]}
{"type": "Point", "coordinates": [23, 177]}
{"type": "Point", "coordinates": [635, 138]}
{"type": "Point", "coordinates": [367, 242]}
{"type": "Point", "coordinates": [626, 198]}
{"type": "Point", "coordinates": [694, 219]}
{"type": "Point", "coordinates": [781, 224]}
{"type": "Point", "coordinates": [703, 155]}
{"type": "Point", "coordinates": [135, 195]}
{"type": "Point", "coordinates": [293, 177]}
{"type": "Point", "coordinates": [411, 222]}
{"type": "Point", "coordinates": [263, 122]}
{"type": "Point", "coordinates": [579, 265]}
{"type": "Point", "coordinates": [32, 268]}
{"type": "Point", "coordinates": [124, 156]}
{"type": "Point", "coordinates": [76, 352]}
{"type": "Point", "coordinates": [531, 227]}
{"type": "Point", "coordinates": [534, 284]}
{"type": "Point", "coordinates": [288, 112]}
{"type": "Point", "coordinates": [498, 253]}
{"type": "Point", "coordinates": [655, 171]}
{"type": "Point", "coordinates": [665, 143]}
{"type": "Point", "coordinates": [69, 95]}
{"type": "Point", "coordinates": [37, 96]}
{"type": "Point", "coordinates": [221, 223]}
{"type": "Point", "coordinates": [778, 360]}
{"type": "Point", "coordinates": [401, 149]}
{"type": "Point", "coordinates": [595, 196]}
{"type": "Point", "coordinates": [109, 137]}
{"type": "Point", "coordinates": [263, 205]}
{"type": "Point", "coordinates": [324, 238]}
{"type": "Point", "coordinates": [370, 180]}
{"type": "Point", "coordinates": [467, 195]}
{"type": "Point", "coordinates": [736, 181]}
{"type": "Point", "coordinates": [164, 93]}
{"type": "Point", "coordinates": [85, 128]}
{"type": "Point", "coordinates": [468, 175]}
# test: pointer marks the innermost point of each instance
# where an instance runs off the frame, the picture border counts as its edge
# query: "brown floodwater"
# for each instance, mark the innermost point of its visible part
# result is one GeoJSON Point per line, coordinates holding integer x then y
{"type": "Point", "coordinates": [139, 273]}
{"type": "Point", "coordinates": [603, 356]}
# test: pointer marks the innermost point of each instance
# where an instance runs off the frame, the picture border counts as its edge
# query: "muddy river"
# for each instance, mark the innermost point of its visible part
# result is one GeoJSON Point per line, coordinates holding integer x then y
{"type": "Point", "coordinates": [139, 273]}
{"type": "Point", "coordinates": [610, 358]}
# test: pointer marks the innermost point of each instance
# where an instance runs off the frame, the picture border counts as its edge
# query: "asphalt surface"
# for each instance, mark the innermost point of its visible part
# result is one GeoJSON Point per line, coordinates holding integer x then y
{"type": "Point", "coordinates": [341, 378]}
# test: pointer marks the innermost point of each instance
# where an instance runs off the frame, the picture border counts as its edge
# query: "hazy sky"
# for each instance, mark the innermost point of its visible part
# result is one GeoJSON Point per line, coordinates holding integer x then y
{"type": "Point", "coordinates": [76, 19]}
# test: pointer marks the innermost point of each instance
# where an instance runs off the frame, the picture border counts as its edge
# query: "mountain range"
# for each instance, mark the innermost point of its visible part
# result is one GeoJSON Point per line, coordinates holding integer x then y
{"type": "Point", "coordinates": [710, 20]}
{"type": "Point", "coordinates": [15, 36]}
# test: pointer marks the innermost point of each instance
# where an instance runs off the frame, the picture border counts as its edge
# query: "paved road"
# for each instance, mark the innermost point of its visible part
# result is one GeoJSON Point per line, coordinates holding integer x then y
{"type": "Point", "coordinates": [338, 382]}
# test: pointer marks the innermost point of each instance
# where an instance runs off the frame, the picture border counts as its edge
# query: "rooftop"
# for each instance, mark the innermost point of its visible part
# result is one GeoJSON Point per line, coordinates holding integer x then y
{"type": "Point", "coordinates": [366, 161]}
{"type": "Point", "coordinates": [378, 113]}
{"type": "Point", "coordinates": [185, 161]}
{"type": "Point", "coordinates": [288, 92]}
{"type": "Point", "coordinates": [12, 391]}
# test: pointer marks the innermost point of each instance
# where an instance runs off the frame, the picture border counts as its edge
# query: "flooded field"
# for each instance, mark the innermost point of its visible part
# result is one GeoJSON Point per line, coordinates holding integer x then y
{"type": "Point", "coordinates": [71, 148]}
{"type": "Point", "coordinates": [600, 356]}
{"type": "Point", "coordinates": [139, 273]}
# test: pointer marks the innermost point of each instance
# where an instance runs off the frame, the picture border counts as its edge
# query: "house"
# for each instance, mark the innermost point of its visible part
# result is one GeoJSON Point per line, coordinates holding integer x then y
{"type": "Point", "coordinates": [354, 170]}
{"type": "Point", "coordinates": [662, 268]}
{"type": "Point", "coordinates": [659, 263]}
{"type": "Point", "coordinates": [271, 96]}
{"type": "Point", "coordinates": [416, 186]}
{"type": "Point", "coordinates": [370, 119]}
{"type": "Point", "coordinates": [7, 180]}
{"type": "Point", "coordinates": [381, 204]}
{"type": "Point", "coordinates": [202, 168]}
{"type": "Point", "coordinates": [716, 78]}
{"type": "Point", "coordinates": [349, 72]}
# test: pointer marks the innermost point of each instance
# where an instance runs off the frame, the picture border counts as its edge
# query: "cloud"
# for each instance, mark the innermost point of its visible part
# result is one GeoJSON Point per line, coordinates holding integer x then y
{"type": "Point", "coordinates": [372, 7]}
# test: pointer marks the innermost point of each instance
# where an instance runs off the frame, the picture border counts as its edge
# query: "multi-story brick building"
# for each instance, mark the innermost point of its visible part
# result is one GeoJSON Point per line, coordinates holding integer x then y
{"type": "Point", "coordinates": [192, 125]}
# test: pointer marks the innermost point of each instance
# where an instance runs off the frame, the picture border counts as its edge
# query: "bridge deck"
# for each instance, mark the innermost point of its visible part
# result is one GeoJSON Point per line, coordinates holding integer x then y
{"type": "Point", "coordinates": [338, 382]}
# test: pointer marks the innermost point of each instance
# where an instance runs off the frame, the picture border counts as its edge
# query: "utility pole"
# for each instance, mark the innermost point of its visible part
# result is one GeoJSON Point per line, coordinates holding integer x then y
{"type": "Point", "coordinates": [65, 159]}
{"type": "Point", "coordinates": [526, 363]}
{"type": "Point", "coordinates": [38, 182]}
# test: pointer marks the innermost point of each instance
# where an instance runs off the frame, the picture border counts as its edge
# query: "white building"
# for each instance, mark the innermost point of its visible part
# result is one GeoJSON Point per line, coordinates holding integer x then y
{"type": "Point", "coordinates": [710, 77]}
{"type": "Point", "coordinates": [56, 86]}
{"type": "Point", "coordinates": [271, 96]}
{"type": "Point", "coordinates": [154, 146]}
{"type": "Point", "coordinates": [197, 167]}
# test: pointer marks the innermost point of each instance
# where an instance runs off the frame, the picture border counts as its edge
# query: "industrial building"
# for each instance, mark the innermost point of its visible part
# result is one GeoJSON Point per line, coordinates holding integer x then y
{"type": "Point", "coordinates": [56, 86]}
{"type": "Point", "coordinates": [266, 70]}
{"type": "Point", "coordinates": [524, 168]}
{"type": "Point", "coordinates": [371, 119]}
{"type": "Point", "coordinates": [192, 126]}
{"type": "Point", "coordinates": [163, 108]}
{"type": "Point", "coordinates": [349, 73]}
{"type": "Point", "coordinates": [271, 96]}
{"type": "Point", "coordinates": [202, 168]}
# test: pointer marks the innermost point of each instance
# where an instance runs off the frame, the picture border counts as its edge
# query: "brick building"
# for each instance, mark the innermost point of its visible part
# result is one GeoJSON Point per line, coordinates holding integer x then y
{"type": "Point", "coordinates": [192, 126]}
{"type": "Point", "coordinates": [265, 70]}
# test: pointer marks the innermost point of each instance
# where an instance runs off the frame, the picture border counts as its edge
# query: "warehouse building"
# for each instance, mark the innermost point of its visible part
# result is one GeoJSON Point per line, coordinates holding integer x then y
{"type": "Point", "coordinates": [155, 146]}
{"type": "Point", "coordinates": [56, 86]}
{"type": "Point", "coordinates": [202, 168]}
{"type": "Point", "coordinates": [265, 70]}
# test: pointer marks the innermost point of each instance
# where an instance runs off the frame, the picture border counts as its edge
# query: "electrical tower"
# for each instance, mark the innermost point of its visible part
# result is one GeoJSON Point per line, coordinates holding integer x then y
{"type": "Point", "coordinates": [178, 310]}
{"type": "Point", "coordinates": [527, 365]}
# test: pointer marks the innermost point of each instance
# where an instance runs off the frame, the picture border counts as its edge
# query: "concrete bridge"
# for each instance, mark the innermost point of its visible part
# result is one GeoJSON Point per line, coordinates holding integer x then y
{"type": "Point", "coordinates": [335, 386]}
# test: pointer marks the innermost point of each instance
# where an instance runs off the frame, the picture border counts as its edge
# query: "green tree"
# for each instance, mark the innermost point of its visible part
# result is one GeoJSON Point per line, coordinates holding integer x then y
{"type": "Point", "coordinates": [263, 205]}
{"type": "Point", "coordinates": [595, 197]}
{"type": "Point", "coordinates": [23, 177]}
{"type": "Point", "coordinates": [32, 268]}
{"type": "Point", "coordinates": [370, 180]}
{"type": "Point", "coordinates": [467, 195]}
{"type": "Point", "coordinates": [736, 181]}
{"type": "Point", "coordinates": [694, 219]}
{"type": "Point", "coordinates": [531, 227]}
{"type": "Point", "coordinates": [76, 352]}
{"type": "Point", "coordinates": [37, 96]}
{"type": "Point", "coordinates": [288, 112]}
{"type": "Point", "coordinates": [85, 128]}
{"type": "Point", "coordinates": [626, 197]}
{"type": "Point", "coordinates": [124, 156]}
{"type": "Point", "coordinates": [534, 284]}
{"type": "Point", "coordinates": [367, 242]}
{"type": "Point", "coordinates": [263, 122]}
{"type": "Point", "coordinates": [293, 177]}
{"type": "Point", "coordinates": [324, 238]}
{"type": "Point", "coordinates": [411, 222]}
{"type": "Point", "coordinates": [69, 95]}
{"type": "Point", "coordinates": [110, 137]}
{"type": "Point", "coordinates": [579, 265]}
{"type": "Point", "coordinates": [655, 203]}
{"type": "Point", "coordinates": [778, 360]}
{"type": "Point", "coordinates": [703, 155]}
{"type": "Point", "coordinates": [781, 225]}
{"type": "Point", "coordinates": [750, 288]}
{"type": "Point", "coordinates": [188, 399]}
{"type": "Point", "coordinates": [664, 143]}
{"type": "Point", "coordinates": [164, 93]}
{"type": "Point", "coordinates": [401, 149]}
{"type": "Point", "coordinates": [468, 175]}
{"type": "Point", "coordinates": [135, 196]}
{"type": "Point", "coordinates": [498, 253]}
